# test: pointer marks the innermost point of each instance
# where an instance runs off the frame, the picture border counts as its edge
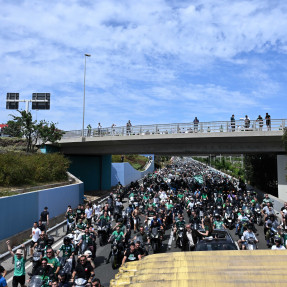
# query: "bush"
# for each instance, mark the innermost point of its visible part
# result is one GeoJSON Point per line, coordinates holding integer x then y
{"type": "Point", "coordinates": [17, 169]}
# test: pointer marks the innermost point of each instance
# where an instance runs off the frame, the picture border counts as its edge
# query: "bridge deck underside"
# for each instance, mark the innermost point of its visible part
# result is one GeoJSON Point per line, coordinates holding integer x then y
{"type": "Point", "coordinates": [178, 144]}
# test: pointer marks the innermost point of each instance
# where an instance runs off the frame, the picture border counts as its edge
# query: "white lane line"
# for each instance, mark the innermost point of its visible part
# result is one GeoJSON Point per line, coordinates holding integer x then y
{"type": "Point", "coordinates": [30, 264]}
{"type": "Point", "coordinates": [170, 239]}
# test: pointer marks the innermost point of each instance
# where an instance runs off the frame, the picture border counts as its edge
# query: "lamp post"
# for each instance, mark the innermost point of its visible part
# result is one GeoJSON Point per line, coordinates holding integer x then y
{"type": "Point", "coordinates": [83, 128]}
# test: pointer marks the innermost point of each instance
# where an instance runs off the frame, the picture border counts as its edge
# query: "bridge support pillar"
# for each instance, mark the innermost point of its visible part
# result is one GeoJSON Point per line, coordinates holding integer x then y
{"type": "Point", "coordinates": [281, 176]}
{"type": "Point", "coordinates": [94, 171]}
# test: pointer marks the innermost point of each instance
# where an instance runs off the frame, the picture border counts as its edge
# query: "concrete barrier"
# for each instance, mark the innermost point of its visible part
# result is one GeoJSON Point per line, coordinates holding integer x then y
{"type": "Point", "coordinates": [18, 212]}
{"type": "Point", "coordinates": [124, 173]}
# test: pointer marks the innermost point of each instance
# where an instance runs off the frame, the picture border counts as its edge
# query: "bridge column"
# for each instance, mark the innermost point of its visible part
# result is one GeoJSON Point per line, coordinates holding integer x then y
{"type": "Point", "coordinates": [281, 176]}
{"type": "Point", "coordinates": [94, 171]}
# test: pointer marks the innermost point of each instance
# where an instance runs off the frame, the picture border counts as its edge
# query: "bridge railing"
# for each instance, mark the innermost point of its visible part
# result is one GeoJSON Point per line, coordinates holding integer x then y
{"type": "Point", "coordinates": [177, 128]}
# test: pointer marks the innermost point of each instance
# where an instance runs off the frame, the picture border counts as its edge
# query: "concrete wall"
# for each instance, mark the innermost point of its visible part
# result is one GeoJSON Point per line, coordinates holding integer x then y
{"type": "Point", "coordinates": [18, 212]}
{"type": "Point", "coordinates": [94, 171]}
{"type": "Point", "coordinates": [282, 172]}
{"type": "Point", "coordinates": [124, 173]}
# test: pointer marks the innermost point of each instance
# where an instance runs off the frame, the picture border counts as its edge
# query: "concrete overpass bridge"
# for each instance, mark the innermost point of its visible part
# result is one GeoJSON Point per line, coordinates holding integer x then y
{"type": "Point", "coordinates": [178, 139]}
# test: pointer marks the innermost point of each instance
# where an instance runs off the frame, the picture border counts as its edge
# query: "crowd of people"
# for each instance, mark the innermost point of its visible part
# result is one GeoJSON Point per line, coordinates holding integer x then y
{"type": "Point", "coordinates": [188, 197]}
{"type": "Point", "coordinates": [246, 125]}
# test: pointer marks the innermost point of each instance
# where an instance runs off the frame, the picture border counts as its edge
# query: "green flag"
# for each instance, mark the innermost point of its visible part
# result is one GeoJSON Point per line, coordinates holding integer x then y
{"type": "Point", "coordinates": [199, 179]}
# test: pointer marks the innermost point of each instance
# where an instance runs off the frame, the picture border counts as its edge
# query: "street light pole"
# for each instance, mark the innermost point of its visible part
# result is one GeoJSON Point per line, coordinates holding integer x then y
{"type": "Point", "coordinates": [83, 128]}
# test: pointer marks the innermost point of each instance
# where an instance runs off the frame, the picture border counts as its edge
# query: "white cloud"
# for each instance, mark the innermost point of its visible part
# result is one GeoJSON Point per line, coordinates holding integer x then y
{"type": "Point", "coordinates": [151, 60]}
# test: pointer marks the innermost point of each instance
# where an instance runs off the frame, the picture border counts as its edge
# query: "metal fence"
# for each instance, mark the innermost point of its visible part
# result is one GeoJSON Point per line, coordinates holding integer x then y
{"type": "Point", "coordinates": [179, 128]}
{"type": "Point", "coordinates": [51, 230]}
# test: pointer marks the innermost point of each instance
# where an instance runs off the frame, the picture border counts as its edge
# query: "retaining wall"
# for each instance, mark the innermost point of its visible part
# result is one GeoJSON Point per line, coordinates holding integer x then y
{"type": "Point", "coordinates": [18, 212]}
{"type": "Point", "coordinates": [124, 173]}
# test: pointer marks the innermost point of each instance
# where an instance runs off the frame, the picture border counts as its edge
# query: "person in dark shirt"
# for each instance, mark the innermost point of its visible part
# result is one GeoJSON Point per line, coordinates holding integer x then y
{"type": "Point", "coordinates": [41, 226]}
{"type": "Point", "coordinates": [144, 236]}
{"type": "Point", "coordinates": [44, 217]}
{"type": "Point", "coordinates": [83, 269]}
{"type": "Point", "coordinates": [45, 271]}
{"type": "Point", "coordinates": [63, 280]}
{"type": "Point", "coordinates": [96, 282]}
{"type": "Point", "coordinates": [131, 254]}
{"type": "Point", "coordinates": [42, 242]}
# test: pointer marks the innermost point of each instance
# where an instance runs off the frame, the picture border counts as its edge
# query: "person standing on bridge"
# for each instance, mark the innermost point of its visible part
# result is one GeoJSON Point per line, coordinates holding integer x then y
{"type": "Point", "coordinates": [129, 125]}
{"type": "Point", "coordinates": [247, 122]}
{"type": "Point", "coordinates": [195, 124]}
{"type": "Point", "coordinates": [232, 120]}
{"type": "Point", "coordinates": [89, 127]}
{"type": "Point", "coordinates": [268, 122]}
{"type": "Point", "coordinates": [260, 121]}
{"type": "Point", "coordinates": [99, 129]}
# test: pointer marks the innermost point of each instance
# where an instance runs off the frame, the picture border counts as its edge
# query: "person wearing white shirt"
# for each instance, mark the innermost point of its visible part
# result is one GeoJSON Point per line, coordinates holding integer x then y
{"type": "Point", "coordinates": [89, 213]}
{"type": "Point", "coordinates": [35, 236]}
{"type": "Point", "coordinates": [278, 244]}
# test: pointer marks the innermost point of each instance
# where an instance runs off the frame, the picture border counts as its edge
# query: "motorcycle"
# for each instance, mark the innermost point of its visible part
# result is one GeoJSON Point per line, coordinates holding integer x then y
{"type": "Point", "coordinates": [103, 232]}
{"type": "Point", "coordinates": [258, 215]}
{"type": "Point", "coordinates": [79, 282]}
{"type": "Point", "coordinates": [117, 256]}
{"type": "Point", "coordinates": [36, 259]}
{"type": "Point", "coordinates": [66, 265]}
{"type": "Point", "coordinates": [117, 213]}
{"type": "Point", "coordinates": [179, 236]}
{"type": "Point", "coordinates": [229, 218]}
{"type": "Point", "coordinates": [155, 239]}
{"type": "Point", "coordinates": [251, 244]}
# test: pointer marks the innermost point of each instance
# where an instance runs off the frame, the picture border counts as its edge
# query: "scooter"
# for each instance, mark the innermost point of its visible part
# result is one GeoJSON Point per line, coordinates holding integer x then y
{"type": "Point", "coordinates": [155, 239]}
{"type": "Point", "coordinates": [117, 255]}
{"type": "Point", "coordinates": [179, 237]}
{"type": "Point", "coordinates": [251, 244]}
{"type": "Point", "coordinates": [103, 232]}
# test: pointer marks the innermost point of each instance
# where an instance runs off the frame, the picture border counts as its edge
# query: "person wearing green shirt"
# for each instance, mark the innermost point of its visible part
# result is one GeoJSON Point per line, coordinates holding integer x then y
{"type": "Point", "coordinates": [19, 265]}
{"type": "Point", "coordinates": [105, 217]}
{"type": "Point", "coordinates": [53, 261]}
{"type": "Point", "coordinates": [81, 226]}
{"type": "Point", "coordinates": [67, 248]}
{"type": "Point", "coordinates": [218, 224]}
{"type": "Point", "coordinates": [169, 205]}
{"type": "Point", "coordinates": [70, 215]}
{"type": "Point", "coordinates": [117, 235]}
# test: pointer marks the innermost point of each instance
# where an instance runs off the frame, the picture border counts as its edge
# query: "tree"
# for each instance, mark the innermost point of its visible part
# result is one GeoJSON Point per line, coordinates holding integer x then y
{"type": "Point", "coordinates": [28, 127]}
{"type": "Point", "coordinates": [48, 132]}
{"type": "Point", "coordinates": [13, 129]}
{"type": "Point", "coordinates": [261, 171]}
{"type": "Point", "coordinates": [33, 131]}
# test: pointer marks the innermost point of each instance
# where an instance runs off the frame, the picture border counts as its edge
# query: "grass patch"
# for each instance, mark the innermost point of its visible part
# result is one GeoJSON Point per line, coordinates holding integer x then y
{"type": "Point", "coordinates": [138, 162]}
{"type": "Point", "coordinates": [21, 169]}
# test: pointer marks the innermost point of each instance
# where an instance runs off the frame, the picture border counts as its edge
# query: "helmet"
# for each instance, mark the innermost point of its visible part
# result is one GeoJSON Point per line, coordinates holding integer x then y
{"type": "Point", "coordinates": [70, 236]}
{"type": "Point", "coordinates": [249, 226]}
{"type": "Point", "coordinates": [88, 253]}
{"type": "Point", "coordinates": [50, 240]}
{"type": "Point", "coordinates": [62, 273]}
{"type": "Point", "coordinates": [67, 240]}
{"type": "Point", "coordinates": [277, 239]}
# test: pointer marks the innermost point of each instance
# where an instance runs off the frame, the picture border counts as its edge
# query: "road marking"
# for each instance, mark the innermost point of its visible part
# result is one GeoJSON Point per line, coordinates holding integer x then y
{"type": "Point", "coordinates": [170, 238]}
{"type": "Point", "coordinates": [30, 264]}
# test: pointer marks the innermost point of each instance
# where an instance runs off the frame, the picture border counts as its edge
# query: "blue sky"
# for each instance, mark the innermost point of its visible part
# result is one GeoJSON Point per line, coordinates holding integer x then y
{"type": "Point", "coordinates": [153, 61]}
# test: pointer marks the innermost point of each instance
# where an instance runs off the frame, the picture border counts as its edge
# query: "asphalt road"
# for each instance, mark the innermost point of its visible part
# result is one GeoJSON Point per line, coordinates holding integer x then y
{"type": "Point", "coordinates": [106, 273]}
